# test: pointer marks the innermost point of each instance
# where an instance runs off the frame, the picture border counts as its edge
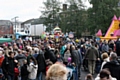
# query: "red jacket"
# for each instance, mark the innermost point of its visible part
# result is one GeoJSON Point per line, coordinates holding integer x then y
{"type": "Point", "coordinates": [1, 60]}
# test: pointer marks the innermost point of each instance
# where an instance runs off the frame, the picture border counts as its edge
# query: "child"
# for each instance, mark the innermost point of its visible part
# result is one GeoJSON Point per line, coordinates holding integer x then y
{"type": "Point", "coordinates": [89, 77]}
{"type": "Point", "coordinates": [69, 62]}
{"type": "Point", "coordinates": [59, 58]}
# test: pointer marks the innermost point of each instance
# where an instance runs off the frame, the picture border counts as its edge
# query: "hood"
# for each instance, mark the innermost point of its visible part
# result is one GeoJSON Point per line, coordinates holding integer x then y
{"type": "Point", "coordinates": [107, 59]}
{"type": "Point", "coordinates": [114, 62]}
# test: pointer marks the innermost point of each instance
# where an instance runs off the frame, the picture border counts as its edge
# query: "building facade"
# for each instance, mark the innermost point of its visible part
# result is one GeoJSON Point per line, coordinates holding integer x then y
{"type": "Point", "coordinates": [33, 27]}
{"type": "Point", "coordinates": [6, 28]}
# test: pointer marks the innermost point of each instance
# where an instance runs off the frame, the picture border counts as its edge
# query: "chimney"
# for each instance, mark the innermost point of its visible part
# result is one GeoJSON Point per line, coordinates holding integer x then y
{"type": "Point", "coordinates": [64, 7]}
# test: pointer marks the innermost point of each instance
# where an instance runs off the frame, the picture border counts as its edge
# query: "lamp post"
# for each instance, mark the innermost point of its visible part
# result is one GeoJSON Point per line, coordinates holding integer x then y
{"type": "Point", "coordinates": [15, 18]}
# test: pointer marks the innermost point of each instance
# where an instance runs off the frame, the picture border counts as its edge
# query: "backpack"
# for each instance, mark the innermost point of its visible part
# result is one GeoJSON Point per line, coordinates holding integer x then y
{"type": "Point", "coordinates": [16, 70]}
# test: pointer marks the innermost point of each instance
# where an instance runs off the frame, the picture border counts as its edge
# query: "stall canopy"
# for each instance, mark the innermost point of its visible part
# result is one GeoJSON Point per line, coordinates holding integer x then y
{"type": "Point", "coordinates": [18, 34]}
{"type": "Point", "coordinates": [21, 34]}
{"type": "Point", "coordinates": [2, 40]}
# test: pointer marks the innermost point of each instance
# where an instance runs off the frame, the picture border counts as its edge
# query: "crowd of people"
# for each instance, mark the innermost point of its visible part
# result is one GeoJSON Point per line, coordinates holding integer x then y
{"type": "Point", "coordinates": [31, 60]}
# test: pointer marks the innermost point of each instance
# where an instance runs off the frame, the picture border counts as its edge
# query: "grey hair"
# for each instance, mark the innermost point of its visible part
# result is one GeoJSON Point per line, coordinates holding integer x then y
{"type": "Point", "coordinates": [113, 56]}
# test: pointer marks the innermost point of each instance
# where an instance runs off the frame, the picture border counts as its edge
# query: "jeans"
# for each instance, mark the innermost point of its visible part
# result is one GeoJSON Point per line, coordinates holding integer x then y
{"type": "Point", "coordinates": [79, 70]}
{"type": "Point", "coordinates": [75, 73]}
{"type": "Point", "coordinates": [10, 77]}
{"type": "Point", "coordinates": [40, 76]}
{"type": "Point", "coordinates": [24, 77]}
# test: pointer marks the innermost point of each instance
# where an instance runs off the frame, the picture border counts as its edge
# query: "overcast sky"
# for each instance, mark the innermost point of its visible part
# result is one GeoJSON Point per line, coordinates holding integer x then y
{"type": "Point", "coordinates": [24, 9]}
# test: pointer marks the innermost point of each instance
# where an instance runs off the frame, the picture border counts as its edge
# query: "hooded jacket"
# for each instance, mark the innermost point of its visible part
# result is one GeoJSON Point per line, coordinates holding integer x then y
{"type": "Point", "coordinates": [32, 69]}
{"type": "Point", "coordinates": [114, 68]}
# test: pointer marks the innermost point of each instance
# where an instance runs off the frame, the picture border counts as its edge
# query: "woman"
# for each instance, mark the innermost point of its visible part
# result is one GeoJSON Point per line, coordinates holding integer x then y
{"type": "Point", "coordinates": [32, 68]}
{"type": "Point", "coordinates": [57, 72]}
{"type": "Point", "coordinates": [105, 75]}
{"type": "Point", "coordinates": [105, 58]}
{"type": "Point", "coordinates": [67, 54]}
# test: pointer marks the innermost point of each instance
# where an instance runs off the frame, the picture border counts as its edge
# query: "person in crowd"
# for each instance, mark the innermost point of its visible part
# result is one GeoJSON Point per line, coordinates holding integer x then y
{"type": "Point", "coordinates": [113, 66]}
{"type": "Point", "coordinates": [49, 54]}
{"type": "Point", "coordinates": [67, 54]}
{"type": "Point", "coordinates": [20, 57]}
{"type": "Point", "coordinates": [118, 47]}
{"type": "Point", "coordinates": [83, 50]}
{"type": "Point", "coordinates": [111, 44]}
{"type": "Point", "coordinates": [35, 53]}
{"type": "Point", "coordinates": [41, 64]}
{"type": "Point", "coordinates": [15, 47]}
{"type": "Point", "coordinates": [110, 51]}
{"type": "Point", "coordinates": [59, 58]}
{"type": "Point", "coordinates": [89, 77]}
{"type": "Point", "coordinates": [104, 75]}
{"type": "Point", "coordinates": [57, 72]}
{"type": "Point", "coordinates": [17, 75]}
{"type": "Point", "coordinates": [105, 58]}
{"type": "Point", "coordinates": [1, 58]}
{"type": "Point", "coordinates": [63, 47]}
{"type": "Point", "coordinates": [80, 61]}
{"type": "Point", "coordinates": [92, 55]}
{"type": "Point", "coordinates": [105, 46]}
{"type": "Point", "coordinates": [8, 66]}
{"type": "Point", "coordinates": [75, 59]}
{"type": "Point", "coordinates": [24, 71]}
{"type": "Point", "coordinates": [32, 69]}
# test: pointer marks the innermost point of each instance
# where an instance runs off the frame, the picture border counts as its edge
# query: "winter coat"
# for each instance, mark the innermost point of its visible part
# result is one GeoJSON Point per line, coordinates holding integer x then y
{"type": "Point", "coordinates": [50, 55]}
{"type": "Point", "coordinates": [1, 60]}
{"type": "Point", "coordinates": [92, 54]}
{"type": "Point", "coordinates": [20, 58]}
{"type": "Point", "coordinates": [62, 50]}
{"type": "Point", "coordinates": [118, 48]}
{"type": "Point", "coordinates": [32, 71]}
{"type": "Point", "coordinates": [24, 71]}
{"type": "Point", "coordinates": [80, 56]}
{"type": "Point", "coordinates": [41, 62]}
{"type": "Point", "coordinates": [105, 48]}
{"type": "Point", "coordinates": [8, 66]}
{"type": "Point", "coordinates": [104, 62]}
{"type": "Point", "coordinates": [75, 57]}
{"type": "Point", "coordinates": [114, 68]}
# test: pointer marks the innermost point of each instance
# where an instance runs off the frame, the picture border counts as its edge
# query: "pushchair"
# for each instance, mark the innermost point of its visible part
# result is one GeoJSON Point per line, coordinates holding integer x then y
{"type": "Point", "coordinates": [72, 71]}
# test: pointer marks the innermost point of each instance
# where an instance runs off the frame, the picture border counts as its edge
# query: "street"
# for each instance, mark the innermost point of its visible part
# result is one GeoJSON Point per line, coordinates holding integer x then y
{"type": "Point", "coordinates": [84, 73]}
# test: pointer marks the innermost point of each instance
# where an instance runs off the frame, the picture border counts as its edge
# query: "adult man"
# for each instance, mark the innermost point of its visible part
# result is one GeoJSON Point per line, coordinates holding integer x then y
{"type": "Point", "coordinates": [20, 57]}
{"type": "Point", "coordinates": [118, 47]}
{"type": "Point", "coordinates": [80, 59]}
{"type": "Point", "coordinates": [75, 59]}
{"type": "Point", "coordinates": [113, 66]}
{"type": "Point", "coordinates": [92, 55]}
{"type": "Point", "coordinates": [8, 66]}
{"type": "Point", "coordinates": [41, 64]}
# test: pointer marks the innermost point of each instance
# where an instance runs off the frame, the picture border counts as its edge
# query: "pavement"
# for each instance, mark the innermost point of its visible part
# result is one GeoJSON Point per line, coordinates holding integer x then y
{"type": "Point", "coordinates": [84, 74]}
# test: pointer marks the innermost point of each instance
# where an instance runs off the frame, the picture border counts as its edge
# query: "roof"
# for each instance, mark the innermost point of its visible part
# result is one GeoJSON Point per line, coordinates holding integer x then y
{"type": "Point", "coordinates": [35, 21]}
{"type": "Point", "coordinates": [5, 22]}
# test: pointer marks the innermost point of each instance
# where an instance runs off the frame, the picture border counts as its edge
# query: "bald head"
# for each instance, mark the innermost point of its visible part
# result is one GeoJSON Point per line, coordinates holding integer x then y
{"type": "Point", "coordinates": [73, 47]}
